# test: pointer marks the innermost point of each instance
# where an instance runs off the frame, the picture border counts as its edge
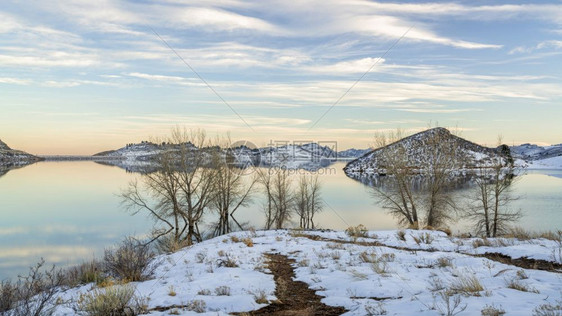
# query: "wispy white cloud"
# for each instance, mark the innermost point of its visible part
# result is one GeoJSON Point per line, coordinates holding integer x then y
{"type": "Point", "coordinates": [17, 81]}
{"type": "Point", "coordinates": [214, 19]}
{"type": "Point", "coordinates": [550, 44]}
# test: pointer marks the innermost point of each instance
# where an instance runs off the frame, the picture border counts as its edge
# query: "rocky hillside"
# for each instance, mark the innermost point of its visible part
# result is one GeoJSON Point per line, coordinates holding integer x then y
{"type": "Point", "coordinates": [310, 156]}
{"type": "Point", "coordinates": [9, 156]}
{"type": "Point", "coordinates": [419, 152]}
{"type": "Point", "coordinates": [531, 152]}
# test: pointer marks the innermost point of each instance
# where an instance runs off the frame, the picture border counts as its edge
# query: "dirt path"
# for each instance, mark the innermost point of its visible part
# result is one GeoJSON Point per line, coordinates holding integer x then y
{"type": "Point", "coordinates": [523, 262]}
{"type": "Point", "coordinates": [293, 297]}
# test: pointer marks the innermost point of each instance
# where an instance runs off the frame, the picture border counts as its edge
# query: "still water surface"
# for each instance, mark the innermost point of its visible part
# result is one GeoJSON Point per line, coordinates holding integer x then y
{"type": "Point", "coordinates": [68, 212]}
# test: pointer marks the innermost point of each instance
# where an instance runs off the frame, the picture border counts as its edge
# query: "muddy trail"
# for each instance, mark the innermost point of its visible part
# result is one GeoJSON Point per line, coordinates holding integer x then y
{"type": "Point", "coordinates": [523, 262]}
{"type": "Point", "coordinates": [293, 297]}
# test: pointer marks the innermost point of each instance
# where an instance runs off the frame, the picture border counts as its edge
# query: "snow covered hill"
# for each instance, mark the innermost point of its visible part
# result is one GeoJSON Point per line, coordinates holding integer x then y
{"type": "Point", "coordinates": [419, 153]}
{"type": "Point", "coordinates": [353, 153]}
{"type": "Point", "coordinates": [539, 157]}
{"type": "Point", "coordinates": [11, 157]}
{"type": "Point", "coordinates": [309, 156]}
{"type": "Point", "coordinates": [405, 272]}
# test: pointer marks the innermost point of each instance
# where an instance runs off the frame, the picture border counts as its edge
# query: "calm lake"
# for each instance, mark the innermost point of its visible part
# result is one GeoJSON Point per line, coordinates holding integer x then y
{"type": "Point", "coordinates": [68, 212]}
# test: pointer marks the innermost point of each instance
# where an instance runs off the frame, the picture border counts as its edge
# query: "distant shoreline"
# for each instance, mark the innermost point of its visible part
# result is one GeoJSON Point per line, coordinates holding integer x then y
{"type": "Point", "coordinates": [78, 158]}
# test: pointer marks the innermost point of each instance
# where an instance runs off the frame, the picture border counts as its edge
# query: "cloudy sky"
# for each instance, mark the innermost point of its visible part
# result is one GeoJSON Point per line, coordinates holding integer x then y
{"type": "Point", "coordinates": [81, 76]}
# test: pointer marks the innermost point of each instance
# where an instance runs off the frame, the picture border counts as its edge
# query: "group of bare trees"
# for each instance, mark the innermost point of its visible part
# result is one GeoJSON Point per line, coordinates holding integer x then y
{"type": "Point", "coordinates": [423, 193]}
{"type": "Point", "coordinates": [489, 204]}
{"type": "Point", "coordinates": [196, 180]}
{"type": "Point", "coordinates": [282, 201]}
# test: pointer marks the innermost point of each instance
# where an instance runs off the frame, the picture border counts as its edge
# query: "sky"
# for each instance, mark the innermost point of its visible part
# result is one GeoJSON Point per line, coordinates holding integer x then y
{"type": "Point", "coordinates": [81, 76]}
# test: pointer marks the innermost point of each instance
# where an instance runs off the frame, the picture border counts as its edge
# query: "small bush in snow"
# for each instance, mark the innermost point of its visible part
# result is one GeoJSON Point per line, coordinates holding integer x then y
{"type": "Point", "coordinates": [359, 275]}
{"type": "Point", "coordinates": [260, 296]}
{"type": "Point", "coordinates": [444, 262]}
{"type": "Point", "coordinates": [436, 284]}
{"type": "Point", "coordinates": [248, 242]}
{"type": "Point", "coordinates": [491, 310]}
{"type": "Point", "coordinates": [357, 231]}
{"type": "Point", "coordinates": [334, 245]}
{"type": "Point", "coordinates": [450, 305]}
{"type": "Point", "coordinates": [130, 262]}
{"type": "Point", "coordinates": [522, 275]}
{"type": "Point", "coordinates": [204, 292]}
{"type": "Point", "coordinates": [170, 244]}
{"type": "Point", "coordinates": [466, 285]}
{"type": "Point", "coordinates": [401, 235]}
{"type": "Point", "coordinates": [33, 294]}
{"type": "Point", "coordinates": [520, 286]}
{"type": "Point", "coordinates": [87, 272]}
{"type": "Point", "coordinates": [373, 310]}
{"type": "Point", "coordinates": [171, 291]}
{"type": "Point", "coordinates": [222, 290]}
{"type": "Point", "coordinates": [115, 301]}
{"type": "Point", "coordinates": [227, 262]}
{"type": "Point", "coordinates": [198, 306]}
{"type": "Point", "coordinates": [484, 242]}
{"type": "Point", "coordinates": [550, 309]}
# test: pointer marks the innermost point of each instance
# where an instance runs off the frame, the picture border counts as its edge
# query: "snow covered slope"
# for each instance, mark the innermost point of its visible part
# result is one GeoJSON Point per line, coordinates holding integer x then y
{"type": "Point", "coordinates": [419, 153]}
{"type": "Point", "coordinates": [540, 157]}
{"type": "Point", "coordinates": [11, 157]}
{"type": "Point", "coordinates": [309, 156]}
{"type": "Point", "coordinates": [379, 274]}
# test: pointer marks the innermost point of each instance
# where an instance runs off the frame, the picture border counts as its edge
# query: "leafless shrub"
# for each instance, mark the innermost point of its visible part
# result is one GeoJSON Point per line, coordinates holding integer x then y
{"type": "Point", "coordinates": [359, 275]}
{"type": "Point", "coordinates": [549, 309]}
{"type": "Point", "coordinates": [520, 286]}
{"type": "Point", "coordinates": [227, 262]}
{"type": "Point", "coordinates": [522, 275]}
{"type": "Point", "coordinates": [169, 244]}
{"type": "Point", "coordinates": [248, 242]}
{"type": "Point", "coordinates": [260, 296]}
{"type": "Point", "coordinates": [33, 294]}
{"type": "Point", "coordinates": [436, 284]}
{"type": "Point", "coordinates": [374, 310]}
{"type": "Point", "coordinates": [87, 272]}
{"type": "Point", "coordinates": [401, 234]}
{"type": "Point", "coordinates": [204, 292]}
{"type": "Point", "coordinates": [357, 231]}
{"type": "Point", "coordinates": [451, 304]}
{"type": "Point", "coordinates": [466, 285]}
{"type": "Point", "coordinates": [114, 301]}
{"type": "Point", "coordinates": [130, 261]}
{"type": "Point", "coordinates": [444, 262]}
{"type": "Point", "coordinates": [334, 245]}
{"type": "Point", "coordinates": [198, 306]}
{"type": "Point", "coordinates": [222, 290]}
{"type": "Point", "coordinates": [484, 242]}
{"type": "Point", "coordinates": [491, 310]}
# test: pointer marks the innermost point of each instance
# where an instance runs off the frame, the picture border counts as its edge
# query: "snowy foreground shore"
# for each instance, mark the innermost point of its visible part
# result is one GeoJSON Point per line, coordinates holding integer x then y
{"type": "Point", "coordinates": [405, 272]}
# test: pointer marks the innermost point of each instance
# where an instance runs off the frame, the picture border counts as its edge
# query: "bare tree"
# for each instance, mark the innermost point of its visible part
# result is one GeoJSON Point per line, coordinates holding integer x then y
{"type": "Point", "coordinates": [395, 190]}
{"type": "Point", "coordinates": [265, 180]}
{"type": "Point", "coordinates": [178, 193]}
{"type": "Point", "coordinates": [416, 176]}
{"type": "Point", "coordinates": [439, 177]}
{"type": "Point", "coordinates": [232, 190]}
{"type": "Point", "coordinates": [283, 197]}
{"type": "Point", "coordinates": [489, 202]}
{"type": "Point", "coordinates": [308, 201]}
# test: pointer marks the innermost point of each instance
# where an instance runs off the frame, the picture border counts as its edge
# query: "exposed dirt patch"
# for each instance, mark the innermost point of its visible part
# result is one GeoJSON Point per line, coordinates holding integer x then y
{"type": "Point", "coordinates": [524, 262]}
{"type": "Point", "coordinates": [293, 297]}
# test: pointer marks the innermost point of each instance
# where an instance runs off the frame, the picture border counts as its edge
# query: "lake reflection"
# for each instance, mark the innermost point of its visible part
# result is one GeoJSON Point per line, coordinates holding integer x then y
{"type": "Point", "coordinates": [67, 212]}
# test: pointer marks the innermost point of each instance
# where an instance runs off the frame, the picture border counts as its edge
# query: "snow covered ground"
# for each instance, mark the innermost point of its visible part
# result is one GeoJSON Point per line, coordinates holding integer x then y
{"type": "Point", "coordinates": [548, 163]}
{"type": "Point", "coordinates": [366, 276]}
